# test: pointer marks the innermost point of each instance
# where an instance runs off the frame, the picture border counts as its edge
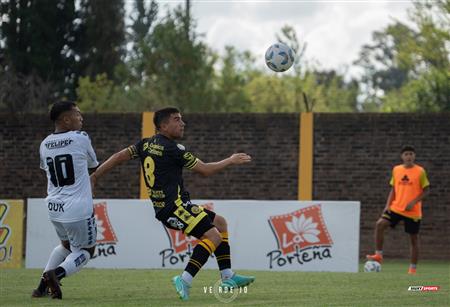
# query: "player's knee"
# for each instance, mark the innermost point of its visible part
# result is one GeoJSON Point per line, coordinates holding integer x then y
{"type": "Point", "coordinates": [414, 239]}
{"type": "Point", "coordinates": [221, 223]}
{"type": "Point", "coordinates": [66, 245]}
{"type": "Point", "coordinates": [61, 249]}
{"type": "Point", "coordinates": [382, 223]}
{"type": "Point", "coordinates": [214, 236]}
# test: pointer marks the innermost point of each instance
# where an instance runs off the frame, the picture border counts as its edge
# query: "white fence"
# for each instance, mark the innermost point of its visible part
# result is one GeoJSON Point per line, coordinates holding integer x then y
{"type": "Point", "coordinates": [264, 235]}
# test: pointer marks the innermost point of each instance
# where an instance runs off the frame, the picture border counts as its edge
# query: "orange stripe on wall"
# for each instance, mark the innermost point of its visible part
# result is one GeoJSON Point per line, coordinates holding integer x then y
{"type": "Point", "coordinates": [305, 168]}
{"type": "Point", "coordinates": [148, 130]}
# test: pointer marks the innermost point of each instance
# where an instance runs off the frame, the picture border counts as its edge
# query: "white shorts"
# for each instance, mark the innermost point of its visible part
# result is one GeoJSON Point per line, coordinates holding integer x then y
{"type": "Point", "coordinates": [81, 234]}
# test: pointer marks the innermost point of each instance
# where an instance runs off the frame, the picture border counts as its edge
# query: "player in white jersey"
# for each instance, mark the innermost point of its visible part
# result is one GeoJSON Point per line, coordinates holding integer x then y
{"type": "Point", "coordinates": [65, 156]}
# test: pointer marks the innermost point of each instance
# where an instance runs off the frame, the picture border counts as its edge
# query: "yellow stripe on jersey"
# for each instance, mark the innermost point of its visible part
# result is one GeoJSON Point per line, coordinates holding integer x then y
{"type": "Point", "coordinates": [132, 150]}
{"type": "Point", "coordinates": [190, 160]}
{"type": "Point", "coordinates": [191, 164]}
{"type": "Point", "coordinates": [424, 179]}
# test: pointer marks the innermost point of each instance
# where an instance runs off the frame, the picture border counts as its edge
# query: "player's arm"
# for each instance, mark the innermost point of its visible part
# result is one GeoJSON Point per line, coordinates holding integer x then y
{"type": "Point", "coordinates": [113, 161]}
{"type": "Point", "coordinates": [425, 192]}
{"type": "Point", "coordinates": [208, 169]}
{"type": "Point", "coordinates": [390, 198]}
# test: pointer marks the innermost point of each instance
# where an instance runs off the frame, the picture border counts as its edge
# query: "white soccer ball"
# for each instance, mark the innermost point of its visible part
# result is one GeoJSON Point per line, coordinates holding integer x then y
{"type": "Point", "coordinates": [372, 266]}
{"type": "Point", "coordinates": [279, 57]}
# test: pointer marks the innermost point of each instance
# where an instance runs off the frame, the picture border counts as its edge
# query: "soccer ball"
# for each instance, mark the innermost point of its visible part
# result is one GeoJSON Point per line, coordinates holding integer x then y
{"type": "Point", "coordinates": [279, 57]}
{"type": "Point", "coordinates": [372, 266]}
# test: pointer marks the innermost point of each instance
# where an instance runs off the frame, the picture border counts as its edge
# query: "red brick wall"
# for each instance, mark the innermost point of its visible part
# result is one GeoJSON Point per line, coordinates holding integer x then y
{"type": "Point", "coordinates": [353, 156]}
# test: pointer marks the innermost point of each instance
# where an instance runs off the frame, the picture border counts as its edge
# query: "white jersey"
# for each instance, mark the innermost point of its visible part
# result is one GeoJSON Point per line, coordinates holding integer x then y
{"type": "Point", "coordinates": [66, 157]}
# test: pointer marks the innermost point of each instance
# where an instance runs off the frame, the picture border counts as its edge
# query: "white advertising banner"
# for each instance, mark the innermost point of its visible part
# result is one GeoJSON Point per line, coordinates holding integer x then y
{"type": "Point", "coordinates": [264, 235]}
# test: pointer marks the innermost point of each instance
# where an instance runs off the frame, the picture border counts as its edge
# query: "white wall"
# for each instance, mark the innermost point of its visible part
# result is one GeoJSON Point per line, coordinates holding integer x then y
{"type": "Point", "coordinates": [264, 235]}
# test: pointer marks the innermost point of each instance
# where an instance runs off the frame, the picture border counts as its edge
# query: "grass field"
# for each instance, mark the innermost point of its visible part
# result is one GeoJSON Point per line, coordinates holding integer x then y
{"type": "Point", "coordinates": [101, 287]}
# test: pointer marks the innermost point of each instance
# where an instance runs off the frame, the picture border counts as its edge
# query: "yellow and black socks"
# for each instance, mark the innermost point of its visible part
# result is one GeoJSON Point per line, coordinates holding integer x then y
{"type": "Point", "coordinates": [222, 253]}
{"type": "Point", "coordinates": [199, 256]}
{"type": "Point", "coordinates": [223, 257]}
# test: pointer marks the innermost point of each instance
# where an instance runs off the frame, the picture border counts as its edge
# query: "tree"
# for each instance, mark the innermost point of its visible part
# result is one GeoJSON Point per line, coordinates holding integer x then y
{"type": "Point", "coordinates": [289, 37]}
{"type": "Point", "coordinates": [383, 69]}
{"type": "Point", "coordinates": [334, 93]}
{"type": "Point", "coordinates": [179, 67]}
{"type": "Point", "coordinates": [406, 69]}
{"type": "Point", "coordinates": [143, 20]}
{"type": "Point", "coordinates": [23, 93]}
{"type": "Point", "coordinates": [37, 43]}
{"type": "Point", "coordinates": [102, 95]}
{"type": "Point", "coordinates": [235, 74]}
{"type": "Point", "coordinates": [100, 37]}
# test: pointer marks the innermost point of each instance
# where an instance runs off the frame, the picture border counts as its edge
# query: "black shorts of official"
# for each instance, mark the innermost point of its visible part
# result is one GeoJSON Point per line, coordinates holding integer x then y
{"type": "Point", "coordinates": [191, 219]}
{"type": "Point", "coordinates": [412, 226]}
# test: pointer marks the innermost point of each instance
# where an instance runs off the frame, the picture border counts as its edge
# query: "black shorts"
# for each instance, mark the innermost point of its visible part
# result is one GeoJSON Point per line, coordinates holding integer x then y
{"type": "Point", "coordinates": [412, 226]}
{"type": "Point", "coordinates": [191, 219]}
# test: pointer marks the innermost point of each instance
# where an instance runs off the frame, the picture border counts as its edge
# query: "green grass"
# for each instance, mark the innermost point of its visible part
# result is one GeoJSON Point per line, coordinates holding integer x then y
{"type": "Point", "coordinates": [101, 287]}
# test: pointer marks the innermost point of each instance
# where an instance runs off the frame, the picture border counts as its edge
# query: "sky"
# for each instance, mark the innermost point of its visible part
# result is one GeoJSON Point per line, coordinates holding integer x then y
{"type": "Point", "coordinates": [334, 31]}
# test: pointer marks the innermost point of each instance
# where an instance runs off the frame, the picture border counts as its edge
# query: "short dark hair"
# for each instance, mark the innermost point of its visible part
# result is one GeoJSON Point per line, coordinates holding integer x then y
{"type": "Point", "coordinates": [162, 115]}
{"type": "Point", "coordinates": [408, 148]}
{"type": "Point", "coordinates": [61, 107]}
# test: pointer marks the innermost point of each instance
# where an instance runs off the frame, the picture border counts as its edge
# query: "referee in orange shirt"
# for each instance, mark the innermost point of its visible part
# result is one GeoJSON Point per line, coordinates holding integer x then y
{"type": "Point", "coordinates": [409, 185]}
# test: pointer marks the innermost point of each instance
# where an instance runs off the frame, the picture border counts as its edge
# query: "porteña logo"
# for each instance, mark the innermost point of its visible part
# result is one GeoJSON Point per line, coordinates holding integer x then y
{"type": "Point", "coordinates": [301, 236]}
{"type": "Point", "coordinates": [181, 246]}
{"type": "Point", "coordinates": [106, 238]}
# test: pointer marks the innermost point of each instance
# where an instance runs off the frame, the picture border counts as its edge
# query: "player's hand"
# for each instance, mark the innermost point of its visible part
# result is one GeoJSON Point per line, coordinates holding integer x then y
{"type": "Point", "coordinates": [240, 158]}
{"type": "Point", "coordinates": [410, 205]}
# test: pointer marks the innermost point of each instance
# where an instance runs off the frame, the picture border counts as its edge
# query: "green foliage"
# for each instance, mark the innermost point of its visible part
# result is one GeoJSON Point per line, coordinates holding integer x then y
{"type": "Point", "coordinates": [143, 18]}
{"type": "Point", "coordinates": [271, 94]}
{"type": "Point", "coordinates": [333, 93]}
{"type": "Point", "coordinates": [37, 40]}
{"type": "Point", "coordinates": [101, 41]}
{"type": "Point", "coordinates": [235, 74]}
{"type": "Point", "coordinates": [408, 70]}
{"type": "Point", "coordinates": [302, 90]}
{"type": "Point", "coordinates": [429, 93]}
{"type": "Point", "coordinates": [179, 67]}
{"type": "Point", "coordinates": [78, 51]}
{"type": "Point", "coordinates": [102, 95]}
{"type": "Point", "coordinates": [95, 95]}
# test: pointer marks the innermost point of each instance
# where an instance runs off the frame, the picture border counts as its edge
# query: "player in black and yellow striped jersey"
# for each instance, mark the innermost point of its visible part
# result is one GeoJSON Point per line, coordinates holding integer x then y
{"type": "Point", "coordinates": [163, 160]}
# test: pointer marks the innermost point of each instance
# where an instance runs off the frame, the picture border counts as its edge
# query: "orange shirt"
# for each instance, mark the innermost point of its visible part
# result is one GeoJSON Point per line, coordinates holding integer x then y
{"type": "Point", "coordinates": [408, 183]}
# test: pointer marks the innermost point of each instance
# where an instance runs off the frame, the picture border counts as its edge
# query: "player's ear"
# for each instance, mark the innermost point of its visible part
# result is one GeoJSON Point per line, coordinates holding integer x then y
{"type": "Point", "coordinates": [66, 118]}
{"type": "Point", "coordinates": [163, 125]}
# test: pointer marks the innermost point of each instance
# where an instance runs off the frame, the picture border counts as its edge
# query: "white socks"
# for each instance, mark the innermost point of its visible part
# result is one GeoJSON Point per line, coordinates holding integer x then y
{"type": "Point", "coordinates": [57, 256]}
{"type": "Point", "coordinates": [75, 261]}
{"type": "Point", "coordinates": [186, 277]}
{"type": "Point", "coordinates": [226, 273]}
